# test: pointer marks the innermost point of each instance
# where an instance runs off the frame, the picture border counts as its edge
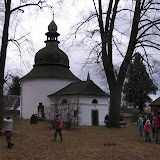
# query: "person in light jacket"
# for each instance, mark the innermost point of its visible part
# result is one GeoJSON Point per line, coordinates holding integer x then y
{"type": "Point", "coordinates": [140, 125]}
{"type": "Point", "coordinates": [8, 125]}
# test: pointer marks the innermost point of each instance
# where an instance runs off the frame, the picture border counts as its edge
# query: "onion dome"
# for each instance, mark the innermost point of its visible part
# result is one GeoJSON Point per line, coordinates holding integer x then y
{"type": "Point", "coordinates": [51, 54]}
{"type": "Point", "coordinates": [51, 61]}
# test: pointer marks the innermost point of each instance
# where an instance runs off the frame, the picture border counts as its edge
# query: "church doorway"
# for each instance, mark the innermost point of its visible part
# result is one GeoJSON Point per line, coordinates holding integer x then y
{"type": "Point", "coordinates": [95, 118]}
{"type": "Point", "coordinates": [40, 111]}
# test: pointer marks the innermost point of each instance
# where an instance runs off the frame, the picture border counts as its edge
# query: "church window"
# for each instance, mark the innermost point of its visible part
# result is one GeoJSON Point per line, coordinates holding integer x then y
{"type": "Point", "coordinates": [75, 113]}
{"type": "Point", "coordinates": [94, 101]}
{"type": "Point", "coordinates": [64, 101]}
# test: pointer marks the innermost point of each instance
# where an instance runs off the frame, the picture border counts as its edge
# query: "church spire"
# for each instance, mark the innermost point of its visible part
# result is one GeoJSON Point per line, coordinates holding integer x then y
{"type": "Point", "coordinates": [52, 34]}
{"type": "Point", "coordinates": [88, 77]}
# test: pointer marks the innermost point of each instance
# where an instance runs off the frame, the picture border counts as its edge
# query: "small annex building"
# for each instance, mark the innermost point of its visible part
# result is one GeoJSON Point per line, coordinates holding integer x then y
{"type": "Point", "coordinates": [11, 102]}
{"type": "Point", "coordinates": [155, 106]}
{"type": "Point", "coordinates": [51, 88]}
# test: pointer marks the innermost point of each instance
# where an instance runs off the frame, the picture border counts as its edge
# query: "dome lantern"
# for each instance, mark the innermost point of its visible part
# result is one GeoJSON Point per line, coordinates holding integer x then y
{"type": "Point", "coordinates": [52, 34]}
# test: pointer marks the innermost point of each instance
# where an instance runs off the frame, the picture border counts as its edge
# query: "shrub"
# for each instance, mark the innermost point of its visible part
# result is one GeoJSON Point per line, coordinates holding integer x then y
{"type": "Point", "coordinates": [121, 117]}
{"type": "Point", "coordinates": [53, 123]}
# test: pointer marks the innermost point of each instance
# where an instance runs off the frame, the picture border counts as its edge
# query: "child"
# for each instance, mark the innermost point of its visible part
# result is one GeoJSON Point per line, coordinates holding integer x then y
{"type": "Point", "coordinates": [8, 124]}
{"type": "Point", "coordinates": [146, 130]}
{"type": "Point", "coordinates": [58, 128]}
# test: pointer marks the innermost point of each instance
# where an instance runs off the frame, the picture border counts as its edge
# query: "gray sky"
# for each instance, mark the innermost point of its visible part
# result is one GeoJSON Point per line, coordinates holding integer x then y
{"type": "Point", "coordinates": [37, 25]}
{"type": "Point", "coordinates": [65, 16]}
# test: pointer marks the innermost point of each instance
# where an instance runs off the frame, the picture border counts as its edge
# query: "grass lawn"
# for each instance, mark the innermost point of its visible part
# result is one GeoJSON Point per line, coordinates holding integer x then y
{"type": "Point", "coordinates": [33, 142]}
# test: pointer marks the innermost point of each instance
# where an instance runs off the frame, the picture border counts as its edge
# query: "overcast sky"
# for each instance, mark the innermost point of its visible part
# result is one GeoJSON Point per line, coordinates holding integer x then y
{"type": "Point", "coordinates": [65, 17]}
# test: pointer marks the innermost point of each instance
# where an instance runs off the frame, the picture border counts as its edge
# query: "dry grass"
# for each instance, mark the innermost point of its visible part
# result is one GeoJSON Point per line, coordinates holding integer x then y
{"type": "Point", "coordinates": [33, 142]}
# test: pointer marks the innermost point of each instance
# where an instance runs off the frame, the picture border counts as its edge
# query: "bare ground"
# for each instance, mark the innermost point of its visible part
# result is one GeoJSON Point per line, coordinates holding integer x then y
{"type": "Point", "coordinates": [33, 142]}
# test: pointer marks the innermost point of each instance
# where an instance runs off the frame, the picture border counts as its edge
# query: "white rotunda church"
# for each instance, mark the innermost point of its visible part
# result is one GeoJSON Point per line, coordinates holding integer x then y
{"type": "Point", "coordinates": [50, 87]}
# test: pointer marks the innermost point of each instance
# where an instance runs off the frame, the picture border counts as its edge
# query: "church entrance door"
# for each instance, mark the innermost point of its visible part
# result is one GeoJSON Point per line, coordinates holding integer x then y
{"type": "Point", "coordinates": [95, 117]}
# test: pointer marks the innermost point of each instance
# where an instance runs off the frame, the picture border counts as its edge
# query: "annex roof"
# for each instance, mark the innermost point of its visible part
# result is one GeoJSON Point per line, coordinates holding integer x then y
{"type": "Point", "coordinates": [156, 102]}
{"type": "Point", "coordinates": [81, 88]}
{"type": "Point", "coordinates": [11, 101]}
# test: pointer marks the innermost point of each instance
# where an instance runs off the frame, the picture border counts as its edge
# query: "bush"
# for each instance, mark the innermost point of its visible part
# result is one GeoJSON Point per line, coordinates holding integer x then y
{"type": "Point", "coordinates": [68, 125]}
{"type": "Point", "coordinates": [121, 117]}
{"type": "Point", "coordinates": [134, 117]}
{"type": "Point", "coordinates": [53, 123]}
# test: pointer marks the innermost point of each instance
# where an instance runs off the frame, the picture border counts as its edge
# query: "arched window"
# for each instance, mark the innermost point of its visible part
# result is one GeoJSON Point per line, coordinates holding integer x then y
{"type": "Point", "coordinates": [64, 101]}
{"type": "Point", "coordinates": [94, 101]}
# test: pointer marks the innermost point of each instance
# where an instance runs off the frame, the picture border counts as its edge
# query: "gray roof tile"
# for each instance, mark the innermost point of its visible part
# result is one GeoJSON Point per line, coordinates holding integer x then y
{"type": "Point", "coordinates": [52, 71]}
{"type": "Point", "coordinates": [81, 88]}
{"type": "Point", "coordinates": [156, 102]}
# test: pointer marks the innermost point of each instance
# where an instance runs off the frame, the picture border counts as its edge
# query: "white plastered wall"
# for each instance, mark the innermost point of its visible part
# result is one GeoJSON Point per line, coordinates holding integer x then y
{"type": "Point", "coordinates": [34, 91]}
{"type": "Point", "coordinates": [86, 107]}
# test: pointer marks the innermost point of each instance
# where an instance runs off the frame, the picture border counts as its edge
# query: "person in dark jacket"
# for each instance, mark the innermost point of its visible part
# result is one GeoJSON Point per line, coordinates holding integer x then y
{"type": "Point", "coordinates": [145, 119]}
{"type": "Point", "coordinates": [8, 124]}
{"type": "Point", "coordinates": [157, 127]}
{"type": "Point", "coordinates": [106, 118]}
{"type": "Point", "coordinates": [153, 129]}
{"type": "Point", "coordinates": [58, 128]}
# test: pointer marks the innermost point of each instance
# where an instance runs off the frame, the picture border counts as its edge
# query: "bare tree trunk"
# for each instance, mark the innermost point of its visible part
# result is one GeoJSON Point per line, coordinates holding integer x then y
{"type": "Point", "coordinates": [116, 85]}
{"type": "Point", "coordinates": [115, 103]}
{"type": "Point", "coordinates": [3, 56]}
{"type": "Point", "coordinates": [143, 26]}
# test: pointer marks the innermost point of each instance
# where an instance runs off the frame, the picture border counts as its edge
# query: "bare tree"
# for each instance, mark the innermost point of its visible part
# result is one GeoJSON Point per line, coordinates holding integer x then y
{"type": "Point", "coordinates": [9, 10]}
{"type": "Point", "coordinates": [123, 27]}
{"type": "Point", "coordinates": [67, 109]}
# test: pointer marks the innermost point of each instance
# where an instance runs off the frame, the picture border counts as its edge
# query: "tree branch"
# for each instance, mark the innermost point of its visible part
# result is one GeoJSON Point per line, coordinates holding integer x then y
{"type": "Point", "coordinates": [100, 19]}
{"type": "Point", "coordinates": [39, 4]}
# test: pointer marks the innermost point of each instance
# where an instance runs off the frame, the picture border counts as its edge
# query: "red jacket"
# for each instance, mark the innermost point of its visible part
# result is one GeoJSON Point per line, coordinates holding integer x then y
{"type": "Point", "coordinates": [157, 121]}
{"type": "Point", "coordinates": [147, 127]}
{"type": "Point", "coordinates": [58, 123]}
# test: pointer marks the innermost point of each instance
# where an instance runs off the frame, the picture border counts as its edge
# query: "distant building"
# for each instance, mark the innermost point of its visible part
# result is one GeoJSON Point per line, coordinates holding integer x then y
{"type": "Point", "coordinates": [11, 102]}
{"type": "Point", "coordinates": [50, 84]}
{"type": "Point", "coordinates": [155, 106]}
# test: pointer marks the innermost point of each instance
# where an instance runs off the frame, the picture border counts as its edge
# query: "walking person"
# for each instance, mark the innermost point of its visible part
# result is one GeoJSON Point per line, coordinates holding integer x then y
{"type": "Point", "coordinates": [147, 129]}
{"type": "Point", "coordinates": [157, 127]}
{"type": "Point", "coordinates": [153, 129]}
{"type": "Point", "coordinates": [106, 120]}
{"type": "Point", "coordinates": [8, 125]}
{"type": "Point", "coordinates": [140, 124]}
{"type": "Point", "coordinates": [58, 128]}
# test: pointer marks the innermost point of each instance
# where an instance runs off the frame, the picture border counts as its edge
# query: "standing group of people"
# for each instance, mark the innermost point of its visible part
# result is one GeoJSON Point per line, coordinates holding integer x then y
{"type": "Point", "coordinates": [148, 123]}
